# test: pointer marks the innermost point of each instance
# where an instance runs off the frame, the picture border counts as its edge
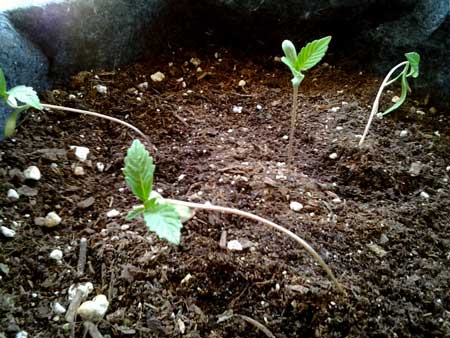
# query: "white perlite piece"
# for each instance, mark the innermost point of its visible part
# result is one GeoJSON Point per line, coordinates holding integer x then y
{"type": "Point", "coordinates": [295, 206]}
{"type": "Point", "coordinates": [78, 171]}
{"type": "Point", "coordinates": [237, 109]}
{"type": "Point", "coordinates": [234, 245]}
{"type": "Point", "coordinates": [52, 219]}
{"type": "Point", "coordinates": [95, 309]}
{"type": "Point", "coordinates": [404, 133]}
{"type": "Point", "coordinates": [100, 167]}
{"type": "Point", "coordinates": [157, 77]}
{"type": "Point", "coordinates": [22, 334]}
{"type": "Point", "coordinates": [101, 89]}
{"type": "Point", "coordinates": [58, 308]}
{"type": "Point", "coordinates": [395, 99]}
{"type": "Point", "coordinates": [56, 255]}
{"type": "Point", "coordinates": [84, 288]}
{"type": "Point", "coordinates": [32, 173]}
{"type": "Point", "coordinates": [242, 83]}
{"type": "Point", "coordinates": [333, 156]}
{"type": "Point", "coordinates": [7, 232]}
{"type": "Point", "coordinates": [13, 195]}
{"type": "Point", "coordinates": [81, 153]}
{"type": "Point", "coordinates": [143, 86]}
{"type": "Point", "coordinates": [423, 194]}
{"type": "Point", "coordinates": [112, 213]}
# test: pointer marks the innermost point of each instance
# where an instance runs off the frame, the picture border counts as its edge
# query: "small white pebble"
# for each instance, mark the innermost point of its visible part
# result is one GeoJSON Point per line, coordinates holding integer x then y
{"type": "Point", "coordinates": [95, 309]}
{"type": "Point", "coordinates": [72, 97]}
{"type": "Point", "coordinates": [78, 171]}
{"type": "Point", "coordinates": [22, 334]}
{"type": "Point", "coordinates": [143, 86]}
{"type": "Point", "coordinates": [234, 245]}
{"type": "Point", "coordinates": [112, 213]}
{"type": "Point", "coordinates": [7, 232]}
{"type": "Point", "coordinates": [12, 195]}
{"type": "Point", "coordinates": [334, 109]}
{"type": "Point", "coordinates": [100, 167]}
{"type": "Point", "coordinates": [195, 61]}
{"type": "Point", "coordinates": [242, 83]}
{"type": "Point", "coordinates": [85, 289]}
{"type": "Point", "coordinates": [339, 128]}
{"type": "Point", "coordinates": [237, 109]}
{"type": "Point", "coordinates": [56, 255]}
{"type": "Point", "coordinates": [336, 200]}
{"type": "Point", "coordinates": [447, 168]}
{"type": "Point", "coordinates": [423, 194]}
{"type": "Point", "coordinates": [285, 137]}
{"type": "Point", "coordinates": [295, 206]}
{"type": "Point", "coordinates": [81, 153]}
{"type": "Point", "coordinates": [32, 173]}
{"type": "Point", "coordinates": [101, 89]}
{"type": "Point", "coordinates": [395, 99]}
{"type": "Point", "coordinates": [125, 227]}
{"type": "Point", "coordinates": [181, 177]}
{"type": "Point", "coordinates": [52, 219]}
{"type": "Point", "coordinates": [420, 112]}
{"type": "Point", "coordinates": [230, 131]}
{"type": "Point", "coordinates": [259, 107]}
{"type": "Point", "coordinates": [157, 77]}
{"type": "Point", "coordinates": [333, 156]}
{"type": "Point", "coordinates": [404, 133]}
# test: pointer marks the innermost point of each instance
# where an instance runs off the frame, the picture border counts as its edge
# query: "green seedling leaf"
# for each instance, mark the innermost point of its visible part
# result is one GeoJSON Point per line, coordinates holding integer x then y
{"type": "Point", "coordinates": [11, 122]}
{"type": "Point", "coordinates": [414, 60]}
{"type": "Point", "coordinates": [135, 213]}
{"type": "Point", "coordinates": [290, 54]}
{"type": "Point", "coordinates": [2, 84]}
{"type": "Point", "coordinates": [164, 220]}
{"type": "Point", "coordinates": [26, 95]}
{"type": "Point", "coordinates": [138, 171]}
{"type": "Point", "coordinates": [402, 98]}
{"type": "Point", "coordinates": [184, 213]}
{"type": "Point", "coordinates": [312, 53]}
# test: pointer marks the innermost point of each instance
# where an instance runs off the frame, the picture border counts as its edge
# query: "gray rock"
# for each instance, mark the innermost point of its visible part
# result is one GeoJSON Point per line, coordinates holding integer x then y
{"type": "Point", "coordinates": [21, 61]}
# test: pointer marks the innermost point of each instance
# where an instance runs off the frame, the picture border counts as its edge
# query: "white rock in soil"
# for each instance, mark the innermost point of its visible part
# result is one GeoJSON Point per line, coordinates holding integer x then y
{"type": "Point", "coordinates": [285, 137]}
{"type": "Point", "coordinates": [143, 86]}
{"type": "Point", "coordinates": [81, 153]}
{"type": "Point", "coordinates": [52, 219]}
{"type": "Point", "coordinates": [58, 308]}
{"type": "Point", "coordinates": [22, 334]}
{"type": "Point", "coordinates": [242, 83]}
{"type": "Point", "coordinates": [101, 89]}
{"type": "Point", "coordinates": [113, 213]}
{"type": "Point", "coordinates": [7, 232]}
{"type": "Point", "coordinates": [415, 168]}
{"type": "Point", "coordinates": [100, 167]}
{"type": "Point", "coordinates": [56, 255]}
{"type": "Point", "coordinates": [404, 133]}
{"type": "Point", "coordinates": [157, 77]}
{"type": "Point", "coordinates": [395, 99]}
{"type": "Point", "coordinates": [423, 194]}
{"type": "Point", "coordinates": [195, 61]}
{"type": "Point", "coordinates": [333, 156]}
{"type": "Point", "coordinates": [336, 200]}
{"type": "Point", "coordinates": [259, 107]}
{"type": "Point", "coordinates": [295, 206]}
{"type": "Point", "coordinates": [95, 309]}
{"type": "Point", "coordinates": [72, 97]}
{"type": "Point", "coordinates": [13, 195]}
{"type": "Point", "coordinates": [447, 168]}
{"type": "Point", "coordinates": [234, 245]}
{"type": "Point", "coordinates": [237, 109]}
{"type": "Point", "coordinates": [334, 109]}
{"type": "Point", "coordinates": [32, 173]}
{"type": "Point", "coordinates": [84, 288]}
{"type": "Point", "coordinates": [78, 171]}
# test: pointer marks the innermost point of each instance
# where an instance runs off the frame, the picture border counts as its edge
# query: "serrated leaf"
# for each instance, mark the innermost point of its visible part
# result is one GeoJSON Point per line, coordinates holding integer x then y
{"type": "Point", "coordinates": [2, 84]}
{"type": "Point", "coordinates": [402, 98]}
{"type": "Point", "coordinates": [135, 213]}
{"type": "Point", "coordinates": [138, 171]}
{"type": "Point", "coordinates": [164, 220]}
{"type": "Point", "coordinates": [414, 60]}
{"type": "Point", "coordinates": [26, 95]}
{"type": "Point", "coordinates": [312, 53]}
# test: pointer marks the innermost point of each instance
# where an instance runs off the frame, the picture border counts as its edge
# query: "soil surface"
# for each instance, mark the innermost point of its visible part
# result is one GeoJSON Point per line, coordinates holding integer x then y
{"type": "Point", "coordinates": [379, 214]}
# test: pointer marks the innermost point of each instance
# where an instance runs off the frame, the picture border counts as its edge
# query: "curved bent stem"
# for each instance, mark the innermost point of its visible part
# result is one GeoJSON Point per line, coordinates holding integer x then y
{"type": "Point", "coordinates": [376, 103]}
{"type": "Point", "coordinates": [273, 225]}
{"type": "Point", "coordinates": [106, 117]}
{"type": "Point", "coordinates": [293, 122]}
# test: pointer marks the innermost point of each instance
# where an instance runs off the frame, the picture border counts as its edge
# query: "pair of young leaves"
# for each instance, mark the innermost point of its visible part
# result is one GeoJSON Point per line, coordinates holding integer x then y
{"type": "Point", "coordinates": [23, 94]}
{"type": "Point", "coordinates": [160, 217]}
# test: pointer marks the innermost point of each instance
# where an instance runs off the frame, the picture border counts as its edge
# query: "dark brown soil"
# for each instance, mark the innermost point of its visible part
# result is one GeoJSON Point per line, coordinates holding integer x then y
{"type": "Point", "coordinates": [363, 211]}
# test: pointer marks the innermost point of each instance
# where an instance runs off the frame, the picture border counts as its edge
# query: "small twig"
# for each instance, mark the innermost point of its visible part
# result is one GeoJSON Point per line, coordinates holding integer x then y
{"type": "Point", "coordinates": [92, 329]}
{"type": "Point", "coordinates": [73, 307]}
{"type": "Point", "coordinates": [257, 324]}
{"type": "Point", "coordinates": [82, 257]}
{"type": "Point", "coordinates": [271, 224]}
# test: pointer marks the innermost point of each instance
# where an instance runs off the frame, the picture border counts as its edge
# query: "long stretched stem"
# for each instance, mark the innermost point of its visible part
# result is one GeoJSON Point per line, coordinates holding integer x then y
{"type": "Point", "coordinates": [106, 117]}
{"type": "Point", "coordinates": [376, 103]}
{"type": "Point", "coordinates": [293, 122]}
{"type": "Point", "coordinates": [271, 224]}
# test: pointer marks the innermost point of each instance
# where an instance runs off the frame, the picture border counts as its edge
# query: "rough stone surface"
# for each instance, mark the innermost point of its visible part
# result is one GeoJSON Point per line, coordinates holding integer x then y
{"type": "Point", "coordinates": [21, 61]}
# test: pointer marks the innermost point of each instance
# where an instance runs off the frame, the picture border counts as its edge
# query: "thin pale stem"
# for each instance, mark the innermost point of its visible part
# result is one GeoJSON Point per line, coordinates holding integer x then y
{"type": "Point", "coordinates": [106, 117]}
{"type": "Point", "coordinates": [376, 103]}
{"type": "Point", "coordinates": [293, 123]}
{"type": "Point", "coordinates": [271, 224]}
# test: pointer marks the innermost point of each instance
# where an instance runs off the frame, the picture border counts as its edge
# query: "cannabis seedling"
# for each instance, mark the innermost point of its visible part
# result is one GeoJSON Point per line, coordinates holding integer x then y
{"type": "Point", "coordinates": [410, 68]}
{"type": "Point", "coordinates": [28, 96]}
{"type": "Point", "coordinates": [309, 56]}
{"type": "Point", "coordinates": [165, 216]}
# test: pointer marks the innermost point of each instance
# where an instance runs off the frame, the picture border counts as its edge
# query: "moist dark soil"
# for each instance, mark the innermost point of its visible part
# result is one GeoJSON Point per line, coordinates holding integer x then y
{"type": "Point", "coordinates": [379, 214]}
